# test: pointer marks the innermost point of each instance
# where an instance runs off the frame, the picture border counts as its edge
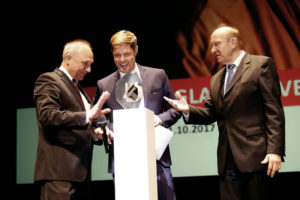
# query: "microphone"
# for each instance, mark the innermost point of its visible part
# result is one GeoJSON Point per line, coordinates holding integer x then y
{"type": "Point", "coordinates": [102, 124]}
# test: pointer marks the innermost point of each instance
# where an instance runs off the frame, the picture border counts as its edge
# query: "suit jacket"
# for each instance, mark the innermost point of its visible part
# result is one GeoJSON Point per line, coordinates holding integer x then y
{"type": "Point", "coordinates": [155, 84]}
{"type": "Point", "coordinates": [65, 141]}
{"type": "Point", "coordinates": [250, 115]}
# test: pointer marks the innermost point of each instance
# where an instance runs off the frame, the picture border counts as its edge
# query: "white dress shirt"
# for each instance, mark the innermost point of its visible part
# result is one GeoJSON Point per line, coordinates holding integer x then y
{"type": "Point", "coordinates": [236, 63]}
{"type": "Point", "coordinates": [87, 105]}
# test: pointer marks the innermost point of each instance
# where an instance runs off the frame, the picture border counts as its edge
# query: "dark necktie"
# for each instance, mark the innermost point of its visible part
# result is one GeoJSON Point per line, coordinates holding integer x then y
{"type": "Point", "coordinates": [230, 75]}
{"type": "Point", "coordinates": [75, 84]}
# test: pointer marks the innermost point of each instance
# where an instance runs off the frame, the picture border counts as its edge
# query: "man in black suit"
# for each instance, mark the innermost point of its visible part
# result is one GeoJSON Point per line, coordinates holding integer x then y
{"type": "Point", "coordinates": [245, 100]}
{"type": "Point", "coordinates": [64, 115]}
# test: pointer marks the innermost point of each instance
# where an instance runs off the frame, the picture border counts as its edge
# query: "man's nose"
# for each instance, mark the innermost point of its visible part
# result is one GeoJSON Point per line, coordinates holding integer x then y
{"type": "Point", "coordinates": [122, 58]}
{"type": "Point", "coordinates": [213, 49]}
{"type": "Point", "coordinates": [88, 69]}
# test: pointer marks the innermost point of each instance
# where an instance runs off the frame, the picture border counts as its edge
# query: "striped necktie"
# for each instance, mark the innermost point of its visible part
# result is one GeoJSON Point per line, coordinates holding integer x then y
{"type": "Point", "coordinates": [230, 75]}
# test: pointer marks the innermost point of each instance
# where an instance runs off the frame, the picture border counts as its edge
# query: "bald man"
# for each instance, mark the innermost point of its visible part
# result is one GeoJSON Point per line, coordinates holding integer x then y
{"type": "Point", "coordinates": [64, 115]}
{"type": "Point", "coordinates": [245, 101]}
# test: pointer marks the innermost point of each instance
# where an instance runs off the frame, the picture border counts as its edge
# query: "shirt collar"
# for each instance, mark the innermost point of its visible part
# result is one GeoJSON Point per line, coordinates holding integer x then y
{"type": "Point", "coordinates": [239, 58]}
{"type": "Point", "coordinates": [63, 69]}
{"type": "Point", "coordinates": [135, 70]}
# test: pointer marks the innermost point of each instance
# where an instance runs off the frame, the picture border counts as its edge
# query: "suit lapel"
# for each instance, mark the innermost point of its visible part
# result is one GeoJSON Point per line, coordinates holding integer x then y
{"type": "Point", "coordinates": [218, 83]}
{"type": "Point", "coordinates": [240, 70]}
{"type": "Point", "coordinates": [84, 94]}
{"type": "Point", "coordinates": [222, 80]}
{"type": "Point", "coordinates": [144, 84]}
{"type": "Point", "coordinates": [112, 88]}
{"type": "Point", "coordinates": [70, 86]}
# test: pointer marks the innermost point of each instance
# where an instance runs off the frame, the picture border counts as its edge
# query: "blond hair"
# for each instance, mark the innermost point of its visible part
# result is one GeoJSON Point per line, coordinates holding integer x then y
{"type": "Point", "coordinates": [123, 37]}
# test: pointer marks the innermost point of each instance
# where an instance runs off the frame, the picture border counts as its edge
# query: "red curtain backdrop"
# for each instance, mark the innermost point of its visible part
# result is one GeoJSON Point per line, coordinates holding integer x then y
{"type": "Point", "coordinates": [267, 27]}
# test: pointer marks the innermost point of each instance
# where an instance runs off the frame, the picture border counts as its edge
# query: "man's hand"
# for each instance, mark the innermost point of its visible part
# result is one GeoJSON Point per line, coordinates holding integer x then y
{"type": "Point", "coordinates": [99, 133]}
{"type": "Point", "coordinates": [157, 121]}
{"type": "Point", "coordinates": [180, 104]}
{"type": "Point", "coordinates": [274, 161]}
{"type": "Point", "coordinates": [96, 111]}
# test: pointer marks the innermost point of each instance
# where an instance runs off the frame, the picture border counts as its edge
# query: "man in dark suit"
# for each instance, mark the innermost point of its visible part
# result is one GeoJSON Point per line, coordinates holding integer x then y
{"type": "Point", "coordinates": [155, 84]}
{"type": "Point", "coordinates": [66, 138]}
{"type": "Point", "coordinates": [245, 101]}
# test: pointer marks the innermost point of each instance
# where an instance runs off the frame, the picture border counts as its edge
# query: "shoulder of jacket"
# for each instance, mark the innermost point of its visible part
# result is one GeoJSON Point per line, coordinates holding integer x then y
{"type": "Point", "coordinates": [260, 58]}
{"type": "Point", "coordinates": [108, 78]}
{"type": "Point", "coordinates": [48, 75]}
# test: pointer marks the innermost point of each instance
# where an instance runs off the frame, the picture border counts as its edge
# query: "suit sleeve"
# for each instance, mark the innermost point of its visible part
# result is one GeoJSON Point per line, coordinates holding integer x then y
{"type": "Point", "coordinates": [98, 93]}
{"type": "Point", "coordinates": [199, 115]}
{"type": "Point", "coordinates": [170, 115]}
{"type": "Point", "coordinates": [52, 108]}
{"type": "Point", "coordinates": [274, 115]}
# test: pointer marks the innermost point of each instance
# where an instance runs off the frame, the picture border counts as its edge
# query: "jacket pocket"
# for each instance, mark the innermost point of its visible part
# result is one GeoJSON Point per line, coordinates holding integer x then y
{"type": "Point", "coordinates": [156, 91]}
{"type": "Point", "coordinates": [257, 130]}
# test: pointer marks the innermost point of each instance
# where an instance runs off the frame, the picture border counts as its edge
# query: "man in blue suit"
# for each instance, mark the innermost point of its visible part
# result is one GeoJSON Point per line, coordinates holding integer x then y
{"type": "Point", "coordinates": [155, 85]}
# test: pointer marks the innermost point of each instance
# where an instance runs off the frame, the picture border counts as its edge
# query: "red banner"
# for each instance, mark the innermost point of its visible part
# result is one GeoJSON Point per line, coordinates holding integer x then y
{"type": "Point", "coordinates": [290, 86]}
{"type": "Point", "coordinates": [195, 89]}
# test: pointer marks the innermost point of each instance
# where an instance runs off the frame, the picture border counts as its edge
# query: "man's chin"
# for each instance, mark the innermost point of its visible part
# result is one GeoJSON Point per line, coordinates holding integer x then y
{"type": "Point", "coordinates": [220, 60]}
{"type": "Point", "coordinates": [123, 69]}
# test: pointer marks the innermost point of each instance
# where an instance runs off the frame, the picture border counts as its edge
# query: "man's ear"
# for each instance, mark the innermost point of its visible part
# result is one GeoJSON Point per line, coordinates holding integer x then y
{"type": "Point", "coordinates": [136, 49]}
{"type": "Point", "coordinates": [67, 59]}
{"type": "Point", "coordinates": [234, 42]}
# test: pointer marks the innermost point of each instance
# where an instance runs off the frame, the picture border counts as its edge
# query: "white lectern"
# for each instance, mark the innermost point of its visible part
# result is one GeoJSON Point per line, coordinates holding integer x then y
{"type": "Point", "coordinates": [134, 154]}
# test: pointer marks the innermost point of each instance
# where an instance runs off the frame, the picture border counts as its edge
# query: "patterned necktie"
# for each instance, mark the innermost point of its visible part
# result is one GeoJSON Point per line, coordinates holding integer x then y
{"type": "Point", "coordinates": [75, 84]}
{"type": "Point", "coordinates": [230, 75]}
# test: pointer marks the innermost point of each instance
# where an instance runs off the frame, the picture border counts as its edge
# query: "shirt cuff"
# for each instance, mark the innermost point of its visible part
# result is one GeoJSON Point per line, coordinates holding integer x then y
{"type": "Point", "coordinates": [87, 121]}
{"type": "Point", "coordinates": [186, 116]}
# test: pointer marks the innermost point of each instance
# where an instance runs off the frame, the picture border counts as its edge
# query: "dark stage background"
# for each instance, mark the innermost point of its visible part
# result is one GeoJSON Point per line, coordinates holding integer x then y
{"type": "Point", "coordinates": [41, 28]}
